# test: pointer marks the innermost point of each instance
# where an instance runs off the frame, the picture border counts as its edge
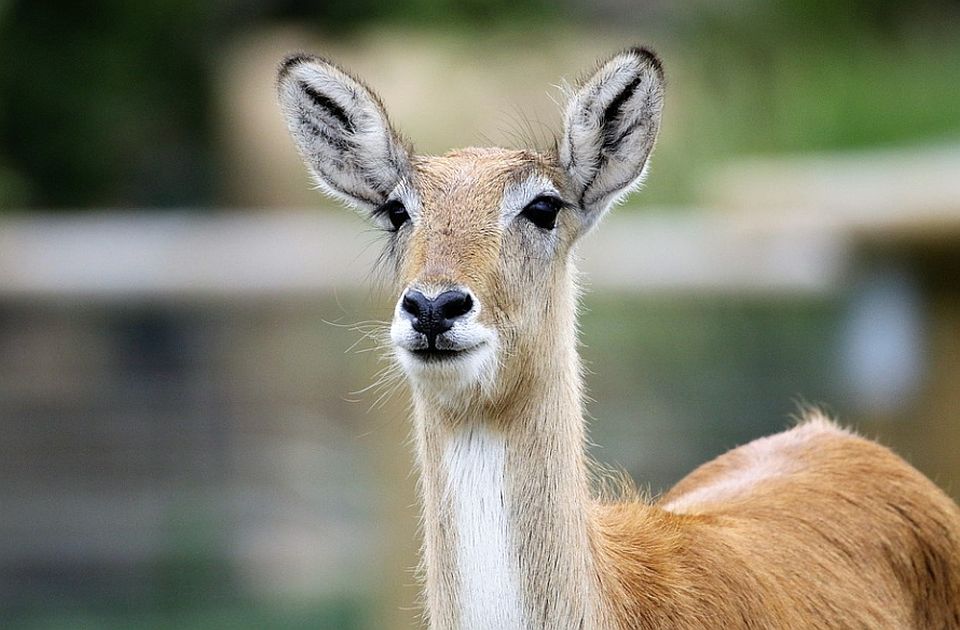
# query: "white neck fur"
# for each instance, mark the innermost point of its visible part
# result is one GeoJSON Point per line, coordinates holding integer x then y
{"type": "Point", "coordinates": [486, 560]}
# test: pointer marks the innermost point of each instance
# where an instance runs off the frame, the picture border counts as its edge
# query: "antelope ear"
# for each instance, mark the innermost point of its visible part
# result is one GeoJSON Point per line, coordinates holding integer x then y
{"type": "Point", "coordinates": [341, 131]}
{"type": "Point", "coordinates": [611, 124]}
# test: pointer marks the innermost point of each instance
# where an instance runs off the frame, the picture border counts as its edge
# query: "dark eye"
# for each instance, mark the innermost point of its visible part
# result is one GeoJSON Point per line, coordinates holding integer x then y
{"type": "Point", "coordinates": [395, 212]}
{"type": "Point", "coordinates": [542, 212]}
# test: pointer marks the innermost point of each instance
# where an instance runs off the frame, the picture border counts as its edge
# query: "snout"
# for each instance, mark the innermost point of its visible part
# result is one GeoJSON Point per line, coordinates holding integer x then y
{"type": "Point", "coordinates": [435, 316]}
{"type": "Point", "coordinates": [430, 326]}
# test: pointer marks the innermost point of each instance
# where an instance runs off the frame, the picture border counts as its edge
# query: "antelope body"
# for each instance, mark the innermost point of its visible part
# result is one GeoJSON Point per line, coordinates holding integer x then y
{"type": "Point", "coordinates": [811, 528]}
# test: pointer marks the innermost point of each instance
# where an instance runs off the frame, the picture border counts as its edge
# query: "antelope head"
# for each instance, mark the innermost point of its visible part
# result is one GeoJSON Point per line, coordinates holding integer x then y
{"type": "Point", "coordinates": [479, 240]}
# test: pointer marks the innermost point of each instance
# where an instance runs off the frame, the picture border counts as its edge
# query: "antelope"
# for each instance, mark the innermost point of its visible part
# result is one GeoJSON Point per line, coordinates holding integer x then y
{"type": "Point", "coordinates": [814, 527]}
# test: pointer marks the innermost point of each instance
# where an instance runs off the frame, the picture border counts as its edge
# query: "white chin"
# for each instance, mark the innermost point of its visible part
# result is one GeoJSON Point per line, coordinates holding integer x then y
{"type": "Point", "coordinates": [452, 374]}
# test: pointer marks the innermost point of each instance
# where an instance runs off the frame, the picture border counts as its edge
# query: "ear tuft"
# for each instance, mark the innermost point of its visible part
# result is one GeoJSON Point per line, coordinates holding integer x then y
{"type": "Point", "coordinates": [291, 60]}
{"type": "Point", "coordinates": [341, 131]}
{"type": "Point", "coordinates": [611, 125]}
{"type": "Point", "coordinates": [649, 57]}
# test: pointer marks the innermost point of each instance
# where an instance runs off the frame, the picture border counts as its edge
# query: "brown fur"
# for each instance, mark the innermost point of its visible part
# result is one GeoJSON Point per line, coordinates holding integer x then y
{"type": "Point", "coordinates": [837, 533]}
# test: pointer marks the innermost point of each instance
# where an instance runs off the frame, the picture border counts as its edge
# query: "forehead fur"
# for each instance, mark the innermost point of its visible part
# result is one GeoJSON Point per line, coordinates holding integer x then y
{"type": "Point", "coordinates": [481, 174]}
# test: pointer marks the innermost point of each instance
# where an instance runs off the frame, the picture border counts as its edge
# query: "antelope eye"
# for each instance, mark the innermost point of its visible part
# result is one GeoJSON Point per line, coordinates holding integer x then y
{"type": "Point", "coordinates": [395, 212]}
{"type": "Point", "coordinates": [542, 212]}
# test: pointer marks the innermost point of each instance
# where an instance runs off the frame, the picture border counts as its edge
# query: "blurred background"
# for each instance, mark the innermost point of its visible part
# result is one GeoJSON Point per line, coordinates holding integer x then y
{"type": "Point", "coordinates": [187, 437]}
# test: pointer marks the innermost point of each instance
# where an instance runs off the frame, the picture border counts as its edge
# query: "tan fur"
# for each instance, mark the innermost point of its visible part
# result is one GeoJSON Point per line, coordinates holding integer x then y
{"type": "Point", "coordinates": [811, 528]}
{"type": "Point", "coordinates": [838, 532]}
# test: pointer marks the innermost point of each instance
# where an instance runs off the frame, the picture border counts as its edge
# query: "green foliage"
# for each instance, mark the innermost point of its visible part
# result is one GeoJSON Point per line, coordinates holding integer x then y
{"type": "Point", "coordinates": [104, 103]}
{"type": "Point", "coordinates": [755, 78]}
{"type": "Point", "coordinates": [110, 102]}
{"type": "Point", "coordinates": [471, 15]}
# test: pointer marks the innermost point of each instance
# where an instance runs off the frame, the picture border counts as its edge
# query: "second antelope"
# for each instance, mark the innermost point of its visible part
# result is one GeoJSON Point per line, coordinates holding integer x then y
{"type": "Point", "coordinates": [811, 528]}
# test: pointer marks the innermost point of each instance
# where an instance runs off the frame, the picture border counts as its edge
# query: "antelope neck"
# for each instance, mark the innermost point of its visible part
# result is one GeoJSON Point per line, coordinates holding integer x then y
{"type": "Point", "coordinates": [507, 535]}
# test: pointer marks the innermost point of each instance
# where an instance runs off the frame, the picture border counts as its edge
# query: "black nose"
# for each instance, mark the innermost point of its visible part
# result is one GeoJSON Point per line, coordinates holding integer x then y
{"type": "Point", "coordinates": [437, 316]}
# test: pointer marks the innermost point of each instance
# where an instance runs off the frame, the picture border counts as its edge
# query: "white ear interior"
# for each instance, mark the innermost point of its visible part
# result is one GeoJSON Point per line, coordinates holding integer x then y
{"type": "Point", "coordinates": [611, 125]}
{"type": "Point", "coordinates": [341, 131]}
